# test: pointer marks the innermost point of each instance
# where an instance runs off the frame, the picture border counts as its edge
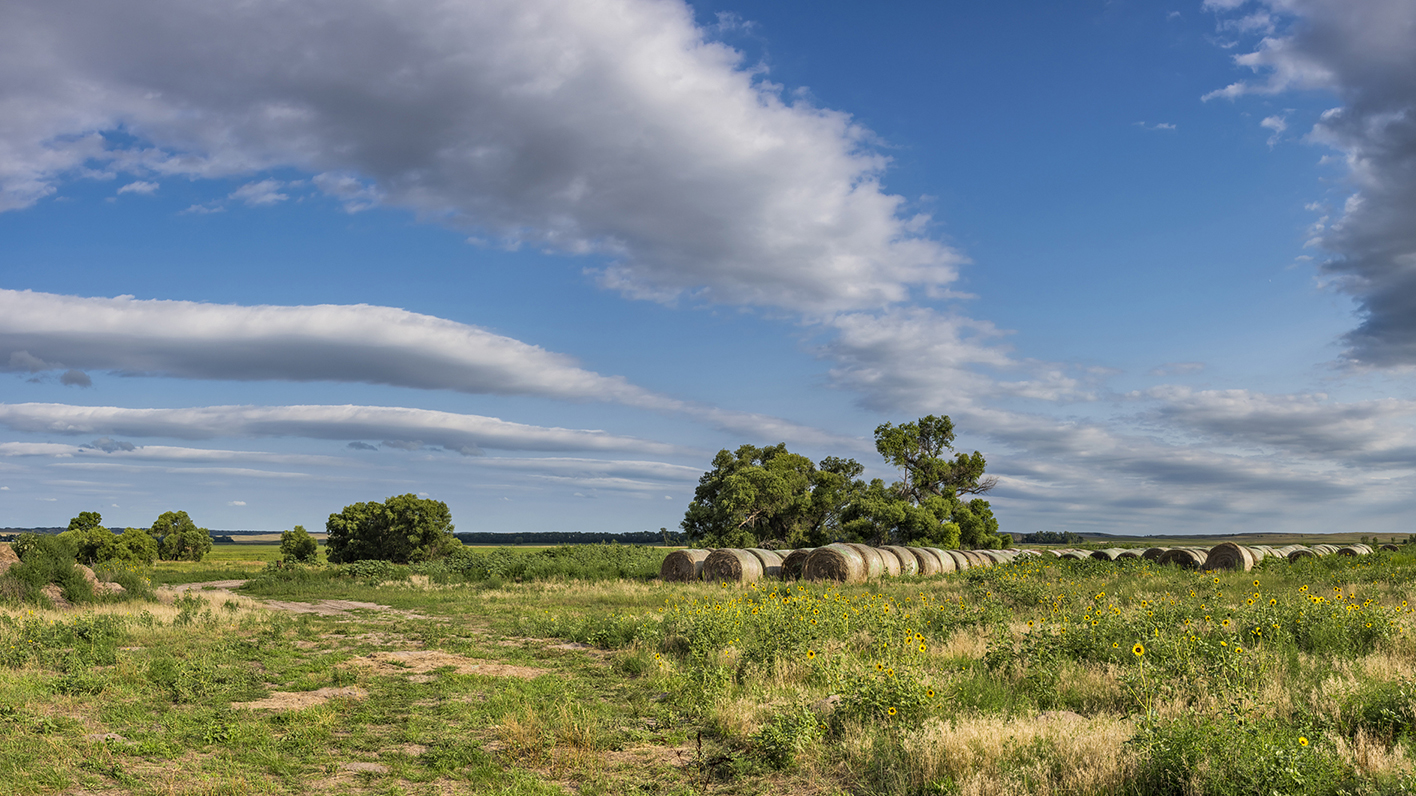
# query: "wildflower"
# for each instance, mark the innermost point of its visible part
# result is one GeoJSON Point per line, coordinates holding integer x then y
{"type": "Point", "coordinates": [929, 693]}
{"type": "Point", "coordinates": [1138, 650]}
{"type": "Point", "coordinates": [922, 648]}
{"type": "Point", "coordinates": [891, 711]}
{"type": "Point", "coordinates": [811, 655]}
{"type": "Point", "coordinates": [1302, 741]}
{"type": "Point", "coordinates": [1256, 584]}
{"type": "Point", "coordinates": [1116, 645]}
{"type": "Point", "coordinates": [1273, 601]}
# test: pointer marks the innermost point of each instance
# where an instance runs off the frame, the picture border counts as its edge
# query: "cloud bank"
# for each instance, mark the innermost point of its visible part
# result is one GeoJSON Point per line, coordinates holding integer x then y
{"type": "Point", "coordinates": [1365, 54]}
{"type": "Point", "coordinates": [613, 127]}
{"type": "Point", "coordinates": [411, 428]}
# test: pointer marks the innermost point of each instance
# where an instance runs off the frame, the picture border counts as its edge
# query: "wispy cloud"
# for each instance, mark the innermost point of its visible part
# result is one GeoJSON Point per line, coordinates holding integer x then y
{"type": "Point", "coordinates": [140, 187]}
{"type": "Point", "coordinates": [454, 432]}
{"type": "Point", "coordinates": [340, 343]}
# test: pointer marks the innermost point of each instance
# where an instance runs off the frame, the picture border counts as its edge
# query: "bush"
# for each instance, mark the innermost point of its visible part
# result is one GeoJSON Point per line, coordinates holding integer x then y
{"type": "Point", "coordinates": [298, 546]}
{"type": "Point", "coordinates": [46, 560]}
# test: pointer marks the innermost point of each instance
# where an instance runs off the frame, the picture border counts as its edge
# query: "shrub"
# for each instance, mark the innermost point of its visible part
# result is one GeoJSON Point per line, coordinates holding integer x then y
{"type": "Point", "coordinates": [46, 560]}
{"type": "Point", "coordinates": [298, 546]}
{"type": "Point", "coordinates": [787, 735]}
{"type": "Point", "coordinates": [179, 539]}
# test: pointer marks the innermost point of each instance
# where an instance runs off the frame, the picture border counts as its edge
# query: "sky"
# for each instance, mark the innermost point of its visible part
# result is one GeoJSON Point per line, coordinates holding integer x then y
{"type": "Point", "coordinates": [541, 259]}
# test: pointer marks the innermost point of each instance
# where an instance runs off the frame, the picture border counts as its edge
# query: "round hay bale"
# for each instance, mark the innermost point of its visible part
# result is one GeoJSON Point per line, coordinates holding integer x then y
{"type": "Point", "coordinates": [961, 561]}
{"type": "Point", "coordinates": [1301, 552]}
{"type": "Point", "coordinates": [1324, 549]}
{"type": "Point", "coordinates": [1075, 555]}
{"type": "Point", "coordinates": [732, 565]}
{"type": "Point", "coordinates": [683, 565]}
{"type": "Point", "coordinates": [977, 559]}
{"type": "Point", "coordinates": [1389, 547]}
{"type": "Point", "coordinates": [1129, 552]}
{"type": "Point", "coordinates": [1028, 552]}
{"type": "Point", "coordinates": [909, 564]}
{"type": "Point", "coordinates": [1354, 550]}
{"type": "Point", "coordinates": [1184, 558]}
{"type": "Point", "coordinates": [1109, 554]}
{"type": "Point", "coordinates": [1259, 553]}
{"type": "Point", "coordinates": [1227, 555]}
{"type": "Point", "coordinates": [771, 561]}
{"type": "Point", "coordinates": [892, 561]}
{"type": "Point", "coordinates": [947, 563]}
{"type": "Point", "coordinates": [792, 564]}
{"type": "Point", "coordinates": [839, 562]}
{"type": "Point", "coordinates": [926, 562]}
{"type": "Point", "coordinates": [1154, 553]}
{"type": "Point", "coordinates": [874, 562]}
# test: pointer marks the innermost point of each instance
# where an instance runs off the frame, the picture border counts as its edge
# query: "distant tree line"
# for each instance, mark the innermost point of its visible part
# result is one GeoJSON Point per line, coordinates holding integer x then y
{"type": "Point", "coordinates": [570, 537]}
{"type": "Point", "coordinates": [770, 496]}
{"type": "Point", "coordinates": [172, 537]}
{"type": "Point", "coordinates": [1052, 537]}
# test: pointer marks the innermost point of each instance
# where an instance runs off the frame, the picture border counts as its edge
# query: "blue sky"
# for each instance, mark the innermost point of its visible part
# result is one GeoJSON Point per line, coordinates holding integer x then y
{"type": "Point", "coordinates": [542, 259]}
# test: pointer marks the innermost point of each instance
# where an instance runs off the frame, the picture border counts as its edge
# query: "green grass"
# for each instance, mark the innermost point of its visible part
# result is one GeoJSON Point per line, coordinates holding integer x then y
{"type": "Point", "coordinates": [1018, 679]}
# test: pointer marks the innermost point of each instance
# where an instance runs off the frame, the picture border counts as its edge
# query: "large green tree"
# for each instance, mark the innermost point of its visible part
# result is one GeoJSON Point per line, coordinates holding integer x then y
{"type": "Point", "coordinates": [178, 538]}
{"type": "Point", "coordinates": [402, 529]}
{"type": "Point", "coordinates": [925, 507]}
{"type": "Point", "coordinates": [754, 495]}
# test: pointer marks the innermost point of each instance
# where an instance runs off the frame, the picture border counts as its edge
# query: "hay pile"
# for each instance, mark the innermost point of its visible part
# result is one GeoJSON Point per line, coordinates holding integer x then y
{"type": "Point", "coordinates": [795, 560]}
{"type": "Point", "coordinates": [732, 565]}
{"type": "Point", "coordinates": [838, 562]}
{"type": "Point", "coordinates": [771, 561]}
{"type": "Point", "coordinates": [1228, 555]}
{"type": "Point", "coordinates": [683, 565]}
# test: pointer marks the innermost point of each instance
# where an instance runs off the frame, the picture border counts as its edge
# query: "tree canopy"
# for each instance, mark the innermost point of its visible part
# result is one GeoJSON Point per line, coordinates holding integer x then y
{"type": "Point", "coordinates": [759, 494]}
{"type": "Point", "coordinates": [297, 545]}
{"type": "Point", "coordinates": [756, 495]}
{"type": "Point", "coordinates": [402, 529]}
{"type": "Point", "coordinates": [178, 538]}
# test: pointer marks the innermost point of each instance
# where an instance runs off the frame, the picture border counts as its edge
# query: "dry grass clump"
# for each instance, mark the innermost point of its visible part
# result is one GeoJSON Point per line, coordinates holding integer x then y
{"type": "Point", "coordinates": [1051, 754]}
{"type": "Point", "coordinates": [1372, 756]}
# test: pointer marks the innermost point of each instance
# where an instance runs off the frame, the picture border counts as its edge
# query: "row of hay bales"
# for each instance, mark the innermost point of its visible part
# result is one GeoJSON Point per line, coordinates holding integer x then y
{"type": "Point", "coordinates": [844, 561]}
{"type": "Point", "coordinates": [1226, 555]}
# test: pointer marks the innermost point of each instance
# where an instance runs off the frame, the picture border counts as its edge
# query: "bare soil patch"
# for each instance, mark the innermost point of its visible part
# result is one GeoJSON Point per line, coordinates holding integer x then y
{"type": "Point", "coordinates": [416, 663]}
{"type": "Point", "coordinates": [334, 607]}
{"type": "Point", "coordinates": [299, 700]}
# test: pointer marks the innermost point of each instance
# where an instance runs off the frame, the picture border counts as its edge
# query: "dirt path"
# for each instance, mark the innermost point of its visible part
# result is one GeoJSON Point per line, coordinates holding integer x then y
{"type": "Point", "coordinates": [318, 607]}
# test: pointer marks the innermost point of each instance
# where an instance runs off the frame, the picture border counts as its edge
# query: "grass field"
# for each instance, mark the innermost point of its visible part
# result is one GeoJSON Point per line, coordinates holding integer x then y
{"type": "Point", "coordinates": [1081, 677]}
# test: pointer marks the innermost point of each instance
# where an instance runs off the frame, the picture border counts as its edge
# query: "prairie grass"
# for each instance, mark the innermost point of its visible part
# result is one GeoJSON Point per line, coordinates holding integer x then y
{"type": "Point", "coordinates": [1033, 678]}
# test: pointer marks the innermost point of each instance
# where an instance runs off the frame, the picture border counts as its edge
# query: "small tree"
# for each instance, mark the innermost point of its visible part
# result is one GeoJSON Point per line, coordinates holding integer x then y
{"type": "Point", "coordinates": [86, 537]}
{"type": "Point", "coordinates": [298, 546]}
{"type": "Point", "coordinates": [403, 528]}
{"type": "Point", "coordinates": [179, 539]}
{"type": "Point", "coordinates": [133, 546]}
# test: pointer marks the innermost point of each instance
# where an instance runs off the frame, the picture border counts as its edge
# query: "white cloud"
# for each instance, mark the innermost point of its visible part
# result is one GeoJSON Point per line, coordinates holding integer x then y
{"type": "Point", "coordinates": [1156, 126]}
{"type": "Point", "coordinates": [340, 343]}
{"type": "Point", "coordinates": [345, 423]}
{"type": "Point", "coordinates": [1277, 124]}
{"type": "Point", "coordinates": [916, 359]}
{"type": "Point", "coordinates": [258, 194]}
{"type": "Point", "coordinates": [1368, 60]}
{"type": "Point", "coordinates": [236, 503]}
{"type": "Point", "coordinates": [140, 187]}
{"type": "Point", "coordinates": [615, 127]}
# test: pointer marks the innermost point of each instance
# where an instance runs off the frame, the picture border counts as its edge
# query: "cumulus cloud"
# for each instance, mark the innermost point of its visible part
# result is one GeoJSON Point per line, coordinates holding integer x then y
{"type": "Point", "coordinates": [444, 429]}
{"type": "Point", "coordinates": [75, 378]}
{"type": "Point", "coordinates": [1367, 58]}
{"type": "Point", "coordinates": [615, 127]}
{"type": "Point", "coordinates": [109, 445]}
{"type": "Point", "coordinates": [257, 194]}
{"type": "Point", "coordinates": [917, 359]}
